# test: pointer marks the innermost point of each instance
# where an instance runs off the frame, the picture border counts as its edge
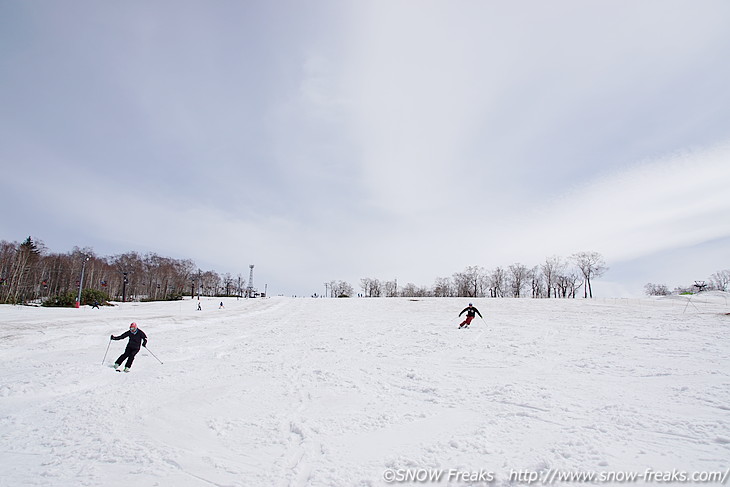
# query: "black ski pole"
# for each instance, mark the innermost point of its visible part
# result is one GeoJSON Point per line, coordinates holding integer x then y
{"type": "Point", "coordinates": [150, 351]}
{"type": "Point", "coordinates": [107, 351]}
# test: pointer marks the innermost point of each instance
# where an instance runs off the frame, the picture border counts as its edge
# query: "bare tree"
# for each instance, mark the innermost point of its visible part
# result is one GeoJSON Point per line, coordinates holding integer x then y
{"type": "Point", "coordinates": [130, 273]}
{"type": "Point", "coordinates": [372, 288]}
{"type": "Point", "coordinates": [551, 268]}
{"type": "Point", "coordinates": [656, 290]}
{"type": "Point", "coordinates": [567, 284]}
{"type": "Point", "coordinates": [497, 283]}
{"type": "Point", "coordinates": [376, 288]}
{"type": "Point", "coordinates": [442, 288]}
{"type": "Point", "coordinates": [365, 286]}
{"type": "Point", "coordinates": [536, 282]}
{"type": "Point", "coordinates": [21, 273]}
{"type": "Point", "coordinates": [341, 289]}
{"type": "Point", "coordinates": [462, 284]}
{"type": "Point", "coordinates": [228, 283]}
{"type": "Point", "coordinates": [591, 265]}
{"type": "Point", "coordinates": [471, 282]}
{"type": "Point", "coordinates": [477, 280]}
{"type": "Point", "coordinates": [410, 290]}
{"type": "Point", "coordinates": [720, 280]}
{"type": "Point", "coordinates": [574, 282]}
{"type": "Point", "coordinates": [518, 277]}
{"type": "Point", "coordinates": [211, 283]}
{"type": "Point", "coordinates": [390, 288]}
{"type": "Point", "coordinates": [7, 259]}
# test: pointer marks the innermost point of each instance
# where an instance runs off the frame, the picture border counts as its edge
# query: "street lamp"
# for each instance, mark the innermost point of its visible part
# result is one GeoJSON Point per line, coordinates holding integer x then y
{"type": "Point", "coordinates": [81, 281]}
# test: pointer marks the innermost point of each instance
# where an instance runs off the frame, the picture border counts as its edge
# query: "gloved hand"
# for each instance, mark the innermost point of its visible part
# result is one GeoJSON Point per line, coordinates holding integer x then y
{"type": "Point", "coordinates": [111, 337]}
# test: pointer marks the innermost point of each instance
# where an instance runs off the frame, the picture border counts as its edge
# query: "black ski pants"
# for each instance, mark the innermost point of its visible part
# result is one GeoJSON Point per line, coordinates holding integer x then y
{"type": "Point", "coordinates": [128, 354]}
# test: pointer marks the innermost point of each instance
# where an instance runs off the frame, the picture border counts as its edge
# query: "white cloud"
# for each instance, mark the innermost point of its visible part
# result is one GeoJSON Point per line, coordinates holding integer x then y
{"type": "Point", "coordinates": [375, 139]}
{"type": "Point", "coordinates": [675, 201]}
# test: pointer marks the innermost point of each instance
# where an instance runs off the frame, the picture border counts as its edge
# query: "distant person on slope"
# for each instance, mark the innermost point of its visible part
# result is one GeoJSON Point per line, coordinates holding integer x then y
{"type": "Point", "coordinates": [470, 311]}
{"type": "Point", "coordinates": [136, 338]}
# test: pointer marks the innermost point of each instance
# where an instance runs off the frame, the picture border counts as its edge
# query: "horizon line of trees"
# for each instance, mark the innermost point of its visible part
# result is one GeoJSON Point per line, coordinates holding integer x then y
{"type": "Point", "coordinates": [557, 277]}
{"type": "Point", "coordinates": [719, 281]}
{"type": "Point", "coordinates": [29, 272]}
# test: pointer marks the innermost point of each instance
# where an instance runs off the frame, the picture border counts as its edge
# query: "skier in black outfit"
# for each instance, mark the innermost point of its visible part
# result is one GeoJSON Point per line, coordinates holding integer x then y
{"type": "Point", "coordinates": [470, 311]}
{"type": "Point", "coordinates": [136, 338]}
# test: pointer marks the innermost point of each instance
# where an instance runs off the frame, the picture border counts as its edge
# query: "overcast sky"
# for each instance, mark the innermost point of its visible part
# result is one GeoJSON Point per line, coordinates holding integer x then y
{"type": "Point", "coordinates": [337, 140]}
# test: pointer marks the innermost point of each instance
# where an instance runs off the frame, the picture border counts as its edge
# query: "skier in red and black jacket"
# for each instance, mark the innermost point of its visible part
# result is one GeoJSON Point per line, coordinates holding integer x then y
{"type": "Point", "coordinates": [137, 338]}
{"type": "Point", "coordinates": [470, 311]}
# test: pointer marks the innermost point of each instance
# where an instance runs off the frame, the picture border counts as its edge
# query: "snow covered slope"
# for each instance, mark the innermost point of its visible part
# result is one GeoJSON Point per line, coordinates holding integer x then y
{"type": "Point", "coordinates": [345, 392]}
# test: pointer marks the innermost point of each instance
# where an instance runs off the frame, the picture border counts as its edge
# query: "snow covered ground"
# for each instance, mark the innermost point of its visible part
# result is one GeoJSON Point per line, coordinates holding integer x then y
{"type": "Point", "coordinates": [354, 392]}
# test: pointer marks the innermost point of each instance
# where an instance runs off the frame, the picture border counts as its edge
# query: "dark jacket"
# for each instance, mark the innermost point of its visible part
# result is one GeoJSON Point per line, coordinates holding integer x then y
{"type": "Point", "coordinates": [470, 311]}
{"type": "Point", "coordinates": [135, 339]}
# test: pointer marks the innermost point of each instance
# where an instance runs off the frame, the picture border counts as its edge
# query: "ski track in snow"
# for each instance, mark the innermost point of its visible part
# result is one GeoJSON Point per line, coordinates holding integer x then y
{"type": "Point", "coordinates": [331, 392]}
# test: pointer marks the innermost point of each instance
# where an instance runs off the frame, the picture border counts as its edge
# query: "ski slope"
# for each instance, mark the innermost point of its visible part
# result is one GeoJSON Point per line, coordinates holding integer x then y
{"type": "Point", "coordinates": [346, 392]}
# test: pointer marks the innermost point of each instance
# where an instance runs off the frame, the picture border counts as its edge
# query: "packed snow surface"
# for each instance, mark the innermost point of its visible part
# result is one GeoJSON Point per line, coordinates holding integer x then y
{"type": "Point", "coordinates": [347, 392]}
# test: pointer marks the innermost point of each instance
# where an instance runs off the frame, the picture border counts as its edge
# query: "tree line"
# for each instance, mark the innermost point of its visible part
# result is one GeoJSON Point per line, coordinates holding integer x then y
{"type": "Point", "coordinates": [719, 281]}
{"type": "Point", "coordinates": [556, 277]}
{"type": "Point", "coordinates": [29, 272]}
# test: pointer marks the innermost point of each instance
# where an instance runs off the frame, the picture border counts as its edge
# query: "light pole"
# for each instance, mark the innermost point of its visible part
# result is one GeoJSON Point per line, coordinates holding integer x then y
{"type": "Point", "coordinates": [200, 283]}
{"type": "Point", "coordinates": [124, 287]}
{"type": "Point", "coordinates": [81, 281]}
